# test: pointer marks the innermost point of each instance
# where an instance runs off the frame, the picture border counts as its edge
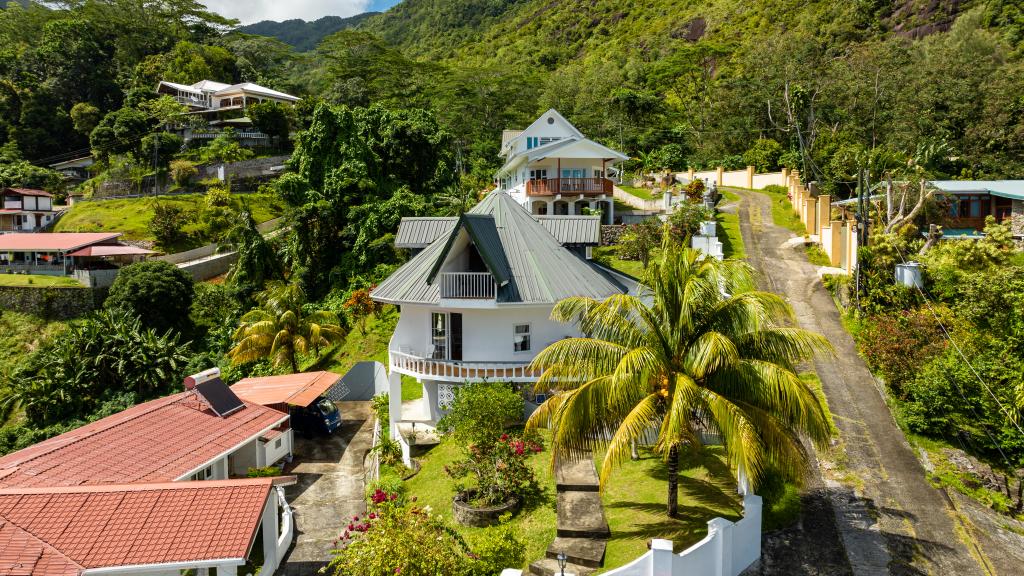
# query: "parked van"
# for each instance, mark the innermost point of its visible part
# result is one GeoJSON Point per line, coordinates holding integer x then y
{"type": "Point", "coordinates": [320, 417]}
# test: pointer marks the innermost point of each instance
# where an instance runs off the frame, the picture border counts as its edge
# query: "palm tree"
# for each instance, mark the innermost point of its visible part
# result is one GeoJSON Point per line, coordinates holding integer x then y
{"type": "Point", "coordinates": [701, 353]}
{"type": "Point", "coordinates": [280, 330]}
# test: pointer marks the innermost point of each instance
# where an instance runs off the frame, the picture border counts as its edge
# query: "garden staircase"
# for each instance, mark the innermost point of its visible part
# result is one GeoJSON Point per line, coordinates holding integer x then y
{"type": "Point", "coordinates": [582, 529]}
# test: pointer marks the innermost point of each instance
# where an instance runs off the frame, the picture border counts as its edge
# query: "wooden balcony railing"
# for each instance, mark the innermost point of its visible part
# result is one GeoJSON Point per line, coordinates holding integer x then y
{"type": "Point", "coordinates": [459, 371]}
{"type": "Point", "coordinates": [552, 186]}
{"type": "Point", "coordinates": [467, 285]}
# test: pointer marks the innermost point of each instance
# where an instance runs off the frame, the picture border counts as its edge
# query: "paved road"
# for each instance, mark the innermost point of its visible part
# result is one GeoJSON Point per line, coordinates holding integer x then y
{"type": "Point", "coordinates": [889, 519]}
{"type": "Point", "coordinates": [329, 489]}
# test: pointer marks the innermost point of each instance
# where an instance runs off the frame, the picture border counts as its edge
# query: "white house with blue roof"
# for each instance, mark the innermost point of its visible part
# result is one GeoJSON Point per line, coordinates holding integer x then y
{"type": "Point", "coordinates": [551, 168]}
{"type": "Point", "coordinates": [476, 298]}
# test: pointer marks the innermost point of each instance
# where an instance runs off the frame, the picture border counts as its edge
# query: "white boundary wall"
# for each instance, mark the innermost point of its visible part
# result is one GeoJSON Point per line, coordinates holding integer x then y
{"type": "Point", "coordinates": [738, 178]}
{"type": "Point", "coordinates": [728, 549]}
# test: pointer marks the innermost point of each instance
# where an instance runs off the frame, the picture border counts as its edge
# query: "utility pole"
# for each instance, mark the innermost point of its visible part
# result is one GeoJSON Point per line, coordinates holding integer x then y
{"type": "Point", "coordinates": [156, 163]}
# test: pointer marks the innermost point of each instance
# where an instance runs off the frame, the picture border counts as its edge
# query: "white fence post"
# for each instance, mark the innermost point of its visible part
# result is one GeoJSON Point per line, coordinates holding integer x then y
{"type": "Point", "coordinates": [661, 557]}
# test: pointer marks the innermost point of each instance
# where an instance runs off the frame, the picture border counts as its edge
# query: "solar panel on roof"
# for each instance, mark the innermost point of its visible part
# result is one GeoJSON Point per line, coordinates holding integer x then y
{"type": "Point", "coordinates": [220, 398]}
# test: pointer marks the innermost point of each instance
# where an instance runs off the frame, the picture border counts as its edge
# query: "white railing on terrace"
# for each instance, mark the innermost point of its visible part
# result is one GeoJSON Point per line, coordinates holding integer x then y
{"type": "Point", "coordinates": [468, 285]}
{"type": "Point", "coordinates": [458, 370]}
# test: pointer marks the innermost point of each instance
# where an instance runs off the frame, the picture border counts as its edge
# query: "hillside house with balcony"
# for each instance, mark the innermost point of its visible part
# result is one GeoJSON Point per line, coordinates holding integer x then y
{"type": "Point", "coordinates": [223, 105]}
{"type": "Point", "coordinates": [476, 299]}
{"type": "Point", "coordinates": [551, 168]}
{"type": "Point", "coordinates": [971, 201]}
{"type": "Point", "coordinates": [25, 210]}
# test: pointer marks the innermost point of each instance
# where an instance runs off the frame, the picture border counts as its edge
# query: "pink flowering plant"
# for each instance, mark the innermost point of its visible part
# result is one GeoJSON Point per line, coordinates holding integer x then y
{"type": "Point", "coordinates": [403, 538]}
{"type": "Point", "coordinates": [495, 468]}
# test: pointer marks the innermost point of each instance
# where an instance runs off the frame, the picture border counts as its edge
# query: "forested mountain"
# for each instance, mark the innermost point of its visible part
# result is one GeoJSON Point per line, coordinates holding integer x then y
{"type": "Point", "coordinates": [700, 81]}
{"type": "Point", "coordinates": [823, 86]}
{"type": "Point", "coordinates": [302, 35]}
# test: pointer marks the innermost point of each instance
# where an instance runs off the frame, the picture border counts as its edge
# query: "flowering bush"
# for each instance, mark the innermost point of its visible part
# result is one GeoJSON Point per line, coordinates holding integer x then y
{"type": "Point", "coordinates": [396, 538]}
{"type": "Point", "coordinates": [695, 189]}
{"type": "Point", "coordinates": [499, 471]}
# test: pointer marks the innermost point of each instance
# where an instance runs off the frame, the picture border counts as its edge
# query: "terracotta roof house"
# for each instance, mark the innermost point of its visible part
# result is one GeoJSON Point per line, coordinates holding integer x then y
{"type": "Point", "coordinates": [141, 529]}
{"type": "Point", "coordinates": [91, 257]}
{"type": "Point", "coordinates": [476, 299]}
{"type": "Point", "coordinates": [150, 491]}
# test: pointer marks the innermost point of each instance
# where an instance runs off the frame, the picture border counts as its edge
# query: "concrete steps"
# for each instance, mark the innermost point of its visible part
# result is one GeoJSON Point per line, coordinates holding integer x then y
{"type": "Point", "coordinates": [582, 528]}
{"type": "Point", "coordinates": [581, 515]}
{"type": "Point", "coordinates": [549, 567]}
{"type": "Point", "coordinates": [586, 552]}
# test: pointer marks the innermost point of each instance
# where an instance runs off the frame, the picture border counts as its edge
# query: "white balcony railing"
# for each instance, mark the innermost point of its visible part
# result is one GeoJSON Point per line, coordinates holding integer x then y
{"type": "Point", "coordinates": [460, 371]}
{"type": "Point", "coordinates": [468, 285]}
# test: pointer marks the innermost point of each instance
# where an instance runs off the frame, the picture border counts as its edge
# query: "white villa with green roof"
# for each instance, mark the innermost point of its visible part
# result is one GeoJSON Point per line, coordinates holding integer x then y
{"type": "Point", "coordinates": [476, 298]}
{"type": "Point", "coordinates": [551, 168]}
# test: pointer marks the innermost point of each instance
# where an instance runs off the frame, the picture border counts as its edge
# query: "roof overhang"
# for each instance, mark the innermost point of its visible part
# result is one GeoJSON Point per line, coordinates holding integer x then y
{"type": "Point", "coordinates": [483, 233]}
{"type": "Point", "coordinates": [300, 389]}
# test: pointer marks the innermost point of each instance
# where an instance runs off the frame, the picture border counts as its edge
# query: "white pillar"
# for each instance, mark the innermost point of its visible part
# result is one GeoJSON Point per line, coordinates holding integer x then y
{"type": "Point", "coordinates": [394, 402]}
{"type": "Point", "coordinates": [271, 555]}
{"type": "Point", "coordinates": [611, 211]}
{"type": "Point", "coordinates": [661, 557]}
{"type": "Point", "coordinates": [551, 207]}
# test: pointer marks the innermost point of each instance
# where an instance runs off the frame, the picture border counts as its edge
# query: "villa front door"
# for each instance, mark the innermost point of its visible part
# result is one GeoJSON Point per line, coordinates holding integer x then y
{"type": "Point", "coordinates": [456, 337]}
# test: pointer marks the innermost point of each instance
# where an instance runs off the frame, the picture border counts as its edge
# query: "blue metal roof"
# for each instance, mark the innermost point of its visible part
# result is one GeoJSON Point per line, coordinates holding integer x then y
{"type": "Point", "coordinates": [1013, 189]}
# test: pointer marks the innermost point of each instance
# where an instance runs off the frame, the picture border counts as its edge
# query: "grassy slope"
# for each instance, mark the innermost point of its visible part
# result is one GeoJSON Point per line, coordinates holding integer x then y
{"type": "Point", "coordinates": [37, 280]}
{"type": "Point", "coordinates": [608, 256]}
{"type": "Point", "coordinates": [535, 522]}
{"type": "Point", "coordinates": [370, 346]}
{"type": "Point", "coordinates": [635, 495]}
{"type": "Point", "coordinates": [729, 226]}
{"type": "Point", "coordinates": [642, 193]}
{"type": "Point", "coordinates": [132, 215]}
{"type": "Point", "coordinates": [783, 214]}
{"type": "Point", "coordinates": [20, 334]}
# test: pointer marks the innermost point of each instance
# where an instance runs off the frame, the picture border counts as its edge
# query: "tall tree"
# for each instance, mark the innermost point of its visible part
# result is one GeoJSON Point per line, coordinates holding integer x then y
{"type": "Point", "coordinates": [707, 355]}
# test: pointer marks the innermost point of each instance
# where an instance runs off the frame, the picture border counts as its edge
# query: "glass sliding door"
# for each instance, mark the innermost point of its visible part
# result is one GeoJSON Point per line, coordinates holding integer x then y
{"type": "Point", "coordinates": [439, 335]}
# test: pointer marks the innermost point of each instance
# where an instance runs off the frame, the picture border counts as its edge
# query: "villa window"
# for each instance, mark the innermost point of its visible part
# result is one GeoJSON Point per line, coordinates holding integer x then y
{"type": "Point", "coordinates": [204, 474]}
{"type": "Point", "coordinates": [532, 142]}
{"type": "Point", "coordinates": [439, 335]}
{"type": "Point", "coordinates": [539, 174]}
{"type": "Point", "coordinates": [521, 338]}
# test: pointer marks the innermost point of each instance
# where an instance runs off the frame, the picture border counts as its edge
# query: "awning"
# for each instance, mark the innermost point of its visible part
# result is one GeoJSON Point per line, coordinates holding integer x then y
{"type": "Point", "coordinates": [294, 389]}
{"type": "Point", "coordinates": [111, 250]}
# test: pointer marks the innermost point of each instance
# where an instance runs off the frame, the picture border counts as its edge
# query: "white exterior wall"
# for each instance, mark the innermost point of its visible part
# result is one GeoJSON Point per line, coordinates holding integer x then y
{"type": "Point", "coordinates": [487, 334]}
{"type": "Point", "coordinates": [277, 448]}
{"type": "Point", "coordinates": [761, 181]}
{"type": "Point", "coordinates": [735, 178]}
{"type": "Point", "coordinates": [248, 456]}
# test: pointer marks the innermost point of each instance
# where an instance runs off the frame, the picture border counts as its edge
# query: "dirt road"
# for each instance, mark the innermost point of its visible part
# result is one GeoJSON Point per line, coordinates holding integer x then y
{"type": "Point", "coordinates": [888, 518]}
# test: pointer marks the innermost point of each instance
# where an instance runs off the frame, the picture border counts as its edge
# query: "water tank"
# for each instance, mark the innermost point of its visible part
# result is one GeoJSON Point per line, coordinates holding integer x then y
{"type": "Point", "coordinates": [909, 274]}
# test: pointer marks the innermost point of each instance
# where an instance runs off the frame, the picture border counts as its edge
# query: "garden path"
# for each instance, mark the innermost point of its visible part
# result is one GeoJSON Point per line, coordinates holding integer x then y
{"type": "Point", "coordinates": [889, 519]}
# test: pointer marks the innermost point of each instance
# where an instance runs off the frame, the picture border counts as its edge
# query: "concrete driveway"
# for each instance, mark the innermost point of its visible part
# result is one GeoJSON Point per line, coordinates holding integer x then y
{"type": "Point", "coordinates": [330, 488]}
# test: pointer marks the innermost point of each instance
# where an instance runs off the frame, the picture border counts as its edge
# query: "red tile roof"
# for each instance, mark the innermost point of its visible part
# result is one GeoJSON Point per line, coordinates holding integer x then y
{"type": "Point", "coordinates": [52, 241]}
{"type": "Point", "coordinates": [61, 531]}
{"type": "Point", "coordinates": [28, 192]}
{"type": "Point", "coordinates": [158, 441]}
{"type": "Point", "coordinates": [296, 389]}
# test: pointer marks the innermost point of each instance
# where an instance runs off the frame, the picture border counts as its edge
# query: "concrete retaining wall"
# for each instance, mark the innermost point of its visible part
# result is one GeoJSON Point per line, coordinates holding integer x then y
{"type": "Point", "coordinates": [51, 302]}
{"type": "Point", "coordinates": [244, 168]}
{"type": "Point", "coordinates": [737, 178]}
{"type": "Point", "coordinates": [209, 267]}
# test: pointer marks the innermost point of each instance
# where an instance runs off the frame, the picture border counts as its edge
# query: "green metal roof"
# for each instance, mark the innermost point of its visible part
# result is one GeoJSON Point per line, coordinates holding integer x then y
{"type": "Point", "coordinates": [1012, 189]}
{"type": "Point", "coordinates": [540, 269]}
{"type": "Point", "coordinates": [419, 232]}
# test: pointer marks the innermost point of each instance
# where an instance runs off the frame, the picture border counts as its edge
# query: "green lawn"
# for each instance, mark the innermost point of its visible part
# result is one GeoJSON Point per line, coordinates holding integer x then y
{"type": "Point", "coordinates": [37, 280]}
{"type": "Point", "coordinates": [608, 256]}
{"type": "Point", "coordinates": [132, 215]}
{"type": "Point", "coordinates": [642, 193]}
{"type": "Point", "coordinates": [636, 493]}
{"type": "Point", "coordinates": [535, 522]}
{"type": "Point", "coordinates": [783, 214]}
{"type": "Point", "coordinates": [729, 226]}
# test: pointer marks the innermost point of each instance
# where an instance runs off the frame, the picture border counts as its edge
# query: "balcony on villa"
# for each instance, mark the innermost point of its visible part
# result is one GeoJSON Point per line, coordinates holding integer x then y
{"type": "Point", "coordinates": [569, 186]}
{"type": "Point", "coordinates": [467, 286]}
{"type": "Point", "coordinates": [412, 363]}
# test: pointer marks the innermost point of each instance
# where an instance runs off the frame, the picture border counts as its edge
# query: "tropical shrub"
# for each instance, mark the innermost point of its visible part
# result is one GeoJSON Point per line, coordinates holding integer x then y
{"type": "Point", "coordinates": [107, 354]}
{"type": "Point", "coordinates": [639, 240]}
{"type": "Point", "coordinates": [168, 223]}
{"type": "Point", "coordinates": [695, 189]}
{"type": "Point", "coordinates": [403, 538]}
{"type": "Point", "coordinates": [157, 292]}
{"type": "Point", "coordinates": [480, 412]}
{"type": "Point", "coordinates": [685, 219]}
{"type": "Point", "coordinates": [224, 148]}
{"type": "Point", "coordinates": [381, 404]}
{"type": "Point", "coordinates": [218, 195]}
{"type": "Point", "coordinates": [264, 472]}
{"type": "Point", "coordinates": [896, 345]}
{"type": "Point", "coordinates": [360, 306]}
{"type": "Point", "coordinates": [763, 155]}
{"type": "Point", "coordinates": [183, 172]}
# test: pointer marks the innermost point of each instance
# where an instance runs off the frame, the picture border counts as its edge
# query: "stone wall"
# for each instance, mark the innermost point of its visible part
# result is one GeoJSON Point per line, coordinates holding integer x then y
{"type": "Point", "coordinates": [610, 234]}
{"type": "Point", "coordinates": [51, 302]}
{"type": "Point", "coordinates": [1017, 218]}
{"type": "Point", "coordinates": [244, 168]}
